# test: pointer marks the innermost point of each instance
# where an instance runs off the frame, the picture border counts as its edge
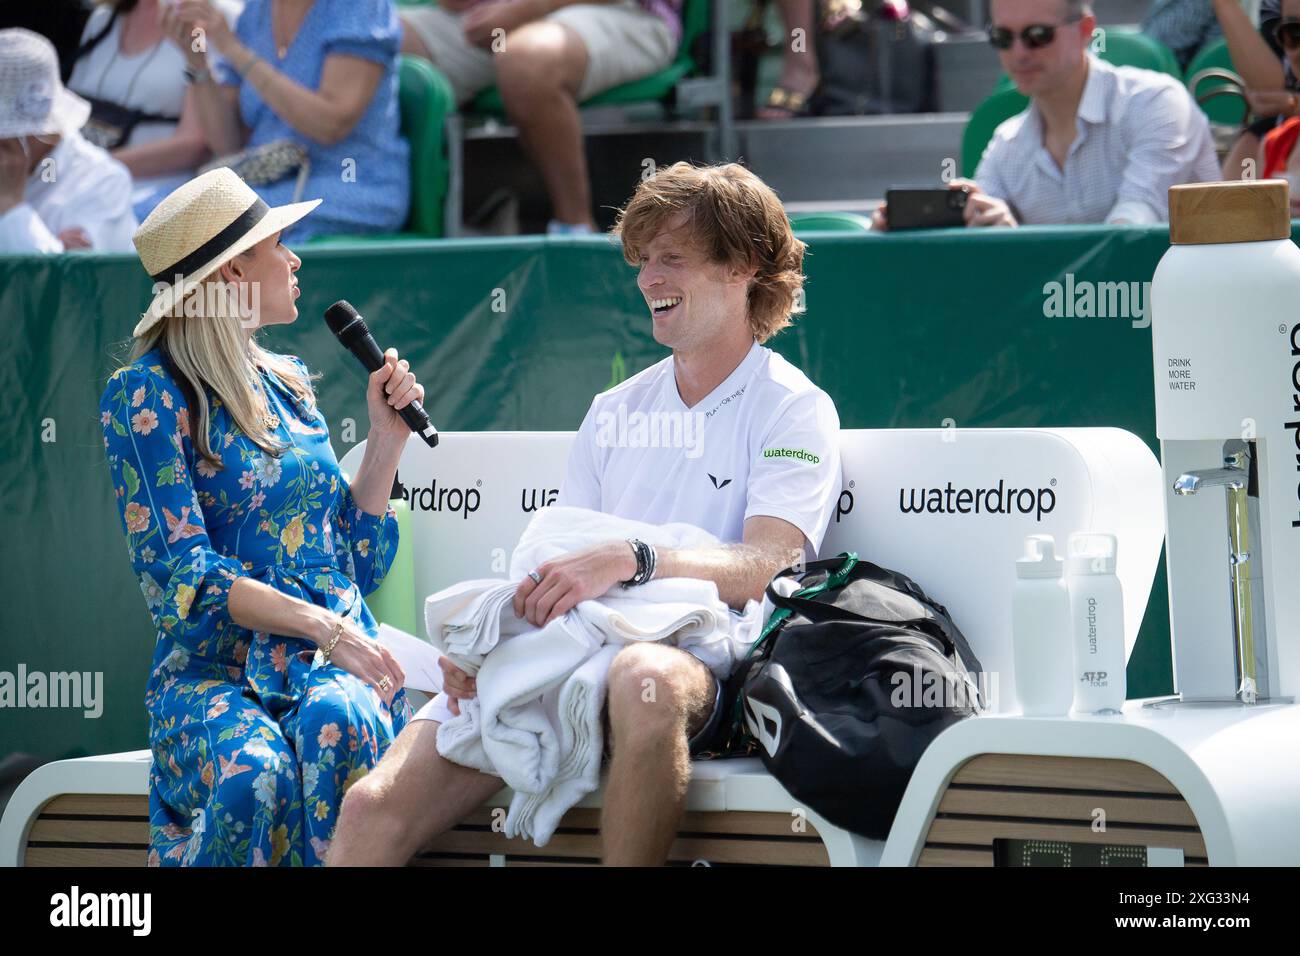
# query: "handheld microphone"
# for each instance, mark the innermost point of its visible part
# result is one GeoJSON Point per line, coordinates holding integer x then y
{"type": "Point", "coordinates": [351, 331]}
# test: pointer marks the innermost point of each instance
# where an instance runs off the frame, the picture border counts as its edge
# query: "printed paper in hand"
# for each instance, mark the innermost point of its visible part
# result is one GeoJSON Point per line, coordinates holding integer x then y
{"type": "Point", "coordinates": [418, 659]}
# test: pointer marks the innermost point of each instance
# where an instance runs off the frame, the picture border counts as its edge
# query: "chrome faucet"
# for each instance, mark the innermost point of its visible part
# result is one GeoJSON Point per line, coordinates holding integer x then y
{"type": "Point", "coordinates": [1231, 475]}
{"type": "Point", "coordinates": [1243, 514]}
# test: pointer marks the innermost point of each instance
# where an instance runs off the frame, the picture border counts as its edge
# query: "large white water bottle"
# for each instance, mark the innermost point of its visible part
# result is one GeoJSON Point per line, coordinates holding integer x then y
{"type": "Point", "coordinates": [1097, 615]}
{"type": "Point", "coordinates": [1040, 631]}
{"type": "Point", "coordinates": [1225, 340]}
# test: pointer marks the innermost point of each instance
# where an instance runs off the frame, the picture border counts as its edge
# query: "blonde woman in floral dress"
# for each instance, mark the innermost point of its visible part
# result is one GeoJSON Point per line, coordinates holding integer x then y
{"type": "Point", "coordinates": [268, 695]}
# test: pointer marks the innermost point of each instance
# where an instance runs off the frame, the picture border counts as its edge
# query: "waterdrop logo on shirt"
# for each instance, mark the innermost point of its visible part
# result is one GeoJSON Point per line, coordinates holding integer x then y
{"type": "Point", "coordinates": [802, 454]}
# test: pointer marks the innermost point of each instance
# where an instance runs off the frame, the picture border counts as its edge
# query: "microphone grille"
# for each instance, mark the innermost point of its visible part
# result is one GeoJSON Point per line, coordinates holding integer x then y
{"type": "Point", "coordinates": [340, 315]}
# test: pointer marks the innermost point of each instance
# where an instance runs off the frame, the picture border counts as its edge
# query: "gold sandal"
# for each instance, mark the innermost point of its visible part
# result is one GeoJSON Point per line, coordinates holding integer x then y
{"type": "Point", "coordinates": [792, 102]}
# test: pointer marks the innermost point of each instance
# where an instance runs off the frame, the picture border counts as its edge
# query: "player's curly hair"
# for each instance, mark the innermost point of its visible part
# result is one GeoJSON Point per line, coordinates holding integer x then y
{"type": "Point", "coordinates": [737, 220]}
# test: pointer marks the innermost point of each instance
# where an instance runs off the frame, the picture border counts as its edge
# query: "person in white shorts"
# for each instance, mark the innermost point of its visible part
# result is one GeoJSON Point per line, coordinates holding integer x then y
{"type": "Point", "coordinates": [724, 434]}
{"type": "Point", "coordinates": [546, 57]}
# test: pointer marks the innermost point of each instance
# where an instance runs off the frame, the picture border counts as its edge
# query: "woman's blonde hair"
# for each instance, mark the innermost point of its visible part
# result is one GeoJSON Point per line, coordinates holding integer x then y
{"type": "Point", "coordinates": [210, 352]}
{"type": "Point", "coordinates": [737, 220]}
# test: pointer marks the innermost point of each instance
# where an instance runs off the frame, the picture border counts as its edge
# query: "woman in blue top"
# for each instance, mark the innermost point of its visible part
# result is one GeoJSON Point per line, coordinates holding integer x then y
{"type": "Point", "coordinates": [252, 550]}
{"type": "Point", "coordinates": [322, 73]}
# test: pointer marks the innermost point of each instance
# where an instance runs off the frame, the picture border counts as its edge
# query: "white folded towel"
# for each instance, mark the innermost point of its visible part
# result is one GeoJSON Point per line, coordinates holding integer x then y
{"type": "Point", "coordinates": [466, 620]}
{"type": "Point", "coordinates": [518, 736]}
{"type": "Point", "coordinates": [536, 721]}
{"type": "Point", "coordinates": [579, 704]}
{"type": "Point", "coordinates": [557, 531]}
{"type": "Point", "coordinates": [686, 611]}
{"type": "Point", "coordinates": [460, 736]}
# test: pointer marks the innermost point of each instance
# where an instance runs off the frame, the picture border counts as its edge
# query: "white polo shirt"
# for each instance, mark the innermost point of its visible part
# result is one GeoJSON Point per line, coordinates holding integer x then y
{"type": "Point", "coordinates": [764, 442]}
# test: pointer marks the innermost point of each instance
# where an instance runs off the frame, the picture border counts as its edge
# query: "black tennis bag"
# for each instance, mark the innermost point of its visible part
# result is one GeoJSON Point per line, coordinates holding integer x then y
{"type": "Point", "coordinates": [853, 676]}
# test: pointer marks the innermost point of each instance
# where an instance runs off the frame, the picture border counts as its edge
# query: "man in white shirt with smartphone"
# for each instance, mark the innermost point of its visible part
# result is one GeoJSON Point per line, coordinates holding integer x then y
{"type": "Point", "coordinates": [724, 434]}
{"type": "Point", "coordinates": [1097, 144]}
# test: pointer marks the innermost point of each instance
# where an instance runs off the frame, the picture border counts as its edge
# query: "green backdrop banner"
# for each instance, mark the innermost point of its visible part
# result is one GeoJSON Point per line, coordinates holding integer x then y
{"type": "Point", "coordinates": [1015, 327]}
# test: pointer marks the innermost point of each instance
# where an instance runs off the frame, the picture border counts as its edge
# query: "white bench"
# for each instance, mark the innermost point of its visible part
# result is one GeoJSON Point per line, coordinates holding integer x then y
{"type": "Point", "coordinates": [472, 496]}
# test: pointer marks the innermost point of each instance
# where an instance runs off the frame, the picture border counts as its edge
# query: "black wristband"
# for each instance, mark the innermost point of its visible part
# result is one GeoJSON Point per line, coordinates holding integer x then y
{"type": "Point", "coordinates": [645, 563]}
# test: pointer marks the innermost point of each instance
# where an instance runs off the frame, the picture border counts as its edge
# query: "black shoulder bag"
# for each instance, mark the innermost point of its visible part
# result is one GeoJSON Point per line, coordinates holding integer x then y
{"type": "Point", "coordinates": [852, 678]}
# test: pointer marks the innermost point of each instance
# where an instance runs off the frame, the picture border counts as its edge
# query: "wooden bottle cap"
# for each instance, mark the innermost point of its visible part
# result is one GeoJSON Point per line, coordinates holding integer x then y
{"type": "Point", "coordinates": [1242, 211]}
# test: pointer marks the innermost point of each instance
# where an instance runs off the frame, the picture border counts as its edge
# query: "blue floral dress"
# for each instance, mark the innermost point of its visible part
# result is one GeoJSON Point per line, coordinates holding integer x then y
{"type": "Point", "coordinates": [254, 740]}
{"type": "Point", "coordinates": [365, 177]}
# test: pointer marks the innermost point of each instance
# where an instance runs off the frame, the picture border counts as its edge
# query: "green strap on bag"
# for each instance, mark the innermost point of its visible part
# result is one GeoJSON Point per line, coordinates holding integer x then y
{"type": "Point", "coordinates": [740, 742]}
{"type": "Point", "coordinates": [835, 579]}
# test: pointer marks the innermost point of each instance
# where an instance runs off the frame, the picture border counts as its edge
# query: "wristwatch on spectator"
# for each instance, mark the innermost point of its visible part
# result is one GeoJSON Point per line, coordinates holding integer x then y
{"type": "Point", "coordinates": [201, 75]}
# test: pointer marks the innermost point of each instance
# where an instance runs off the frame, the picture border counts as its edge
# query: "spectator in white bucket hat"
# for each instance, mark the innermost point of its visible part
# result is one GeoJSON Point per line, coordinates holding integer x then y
{"type": "Point", "coordinates": [57, 191]}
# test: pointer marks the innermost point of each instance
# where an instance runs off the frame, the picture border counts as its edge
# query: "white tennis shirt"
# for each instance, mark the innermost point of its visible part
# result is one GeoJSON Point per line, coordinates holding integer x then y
{"type": "Point", "coordinates": [764, 442]}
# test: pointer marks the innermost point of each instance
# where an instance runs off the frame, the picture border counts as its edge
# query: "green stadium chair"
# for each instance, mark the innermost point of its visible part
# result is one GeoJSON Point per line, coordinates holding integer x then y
{"type": "Point", "coordinates": [425, 100]}
{"type": "Point", "coordinates": [1137, 49]}
{"type": "Point", "coordinates": [830, 222]}
{"type": "Point", "coordinates": [1212, 55]}
{"type": "Point", "coordinates": [680, 86]}
{"type": "Point", "coordinates": [1223, 108]}
{"type": "Point", "coordinates": [984, 119]}
{"type": "Point", "coordinates": [1121, 48]}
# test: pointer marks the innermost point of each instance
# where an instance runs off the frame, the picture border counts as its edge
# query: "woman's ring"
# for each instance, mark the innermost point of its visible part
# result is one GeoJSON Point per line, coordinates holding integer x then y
{"type": "Point", "coordinates": [537, 578]}
{"type": "Point", "coordinates": [385, 682]}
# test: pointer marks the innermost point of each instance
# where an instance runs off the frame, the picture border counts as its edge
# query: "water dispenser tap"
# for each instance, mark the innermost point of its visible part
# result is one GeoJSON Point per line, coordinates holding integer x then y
{"type": "Point", "coordinates": [1236, 478]}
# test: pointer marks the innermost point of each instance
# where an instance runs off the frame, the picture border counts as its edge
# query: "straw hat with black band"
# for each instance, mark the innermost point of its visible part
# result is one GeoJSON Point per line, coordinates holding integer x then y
{"type": "Point", "coordinates": [200, 225]}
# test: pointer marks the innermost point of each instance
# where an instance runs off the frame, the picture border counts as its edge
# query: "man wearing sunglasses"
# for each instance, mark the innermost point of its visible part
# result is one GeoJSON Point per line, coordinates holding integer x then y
{"type": "Point", "coordinates": [1098, 143]}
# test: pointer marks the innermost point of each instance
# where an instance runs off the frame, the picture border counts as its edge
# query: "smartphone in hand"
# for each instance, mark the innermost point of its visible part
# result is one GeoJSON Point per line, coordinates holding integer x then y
{"type": "Point", "coordinates": [925, 207]}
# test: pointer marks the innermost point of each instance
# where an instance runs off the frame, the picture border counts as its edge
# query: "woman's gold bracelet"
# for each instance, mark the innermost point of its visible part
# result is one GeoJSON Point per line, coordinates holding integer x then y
{"type": "Point", "coordinates": [248, 64]}
{"type": "Point", "coordinates": [248, 74]}
{"type": "Point", "coordinates": [337, 633]}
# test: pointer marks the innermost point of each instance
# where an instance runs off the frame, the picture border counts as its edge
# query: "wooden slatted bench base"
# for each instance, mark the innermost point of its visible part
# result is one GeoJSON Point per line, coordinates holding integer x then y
{"type": "Point", "coordinates": [1027, 797]}
{"type": "Point", "coordinates": [721, 838]}
{"type": "Point", "coordinates": [90, 829]}
{"type": "Point", "coordinates": [113, 830]}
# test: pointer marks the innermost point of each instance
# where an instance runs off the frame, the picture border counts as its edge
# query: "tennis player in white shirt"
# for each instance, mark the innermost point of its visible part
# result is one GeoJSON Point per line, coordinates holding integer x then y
{"type": "Point", "coordinates": [756, 462]}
